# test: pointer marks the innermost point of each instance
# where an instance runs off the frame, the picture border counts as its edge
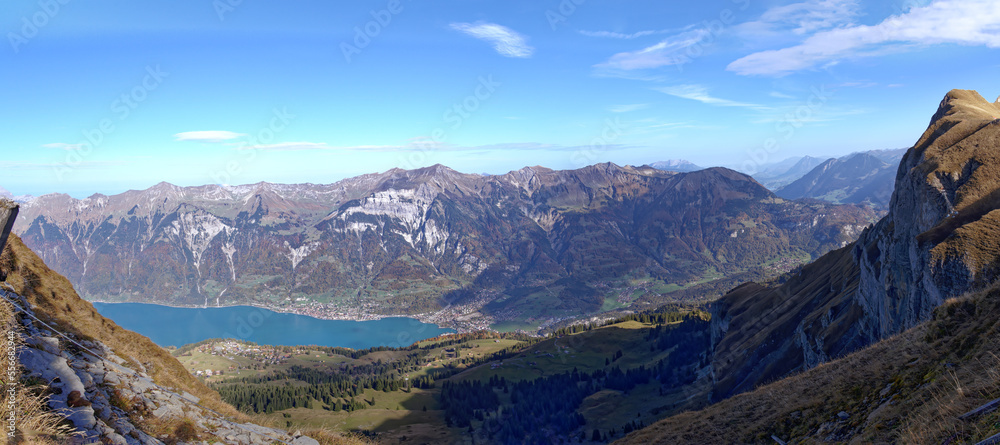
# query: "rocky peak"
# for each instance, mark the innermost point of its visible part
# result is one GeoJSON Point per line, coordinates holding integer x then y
{"type": "Point", "coordinates": [925, 250]}
{"type": "Point", "coordinates": [939, 240]}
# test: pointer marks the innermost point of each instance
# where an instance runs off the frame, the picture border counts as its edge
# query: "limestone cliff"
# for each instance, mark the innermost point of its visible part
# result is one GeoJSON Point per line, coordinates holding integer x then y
{"type": "Point", "coordinates": [940, 239]}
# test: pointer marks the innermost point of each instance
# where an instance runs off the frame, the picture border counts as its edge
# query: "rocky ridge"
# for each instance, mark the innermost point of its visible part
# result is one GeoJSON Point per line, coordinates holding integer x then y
{"type": "Point", "coordinates": [940, 239]}
{"type": "Point", "coordinates": [108, 402]}
{"type": "Point", "coordinates": [859, 178]}
{"type": "Point", "coordinates": [414, 241]}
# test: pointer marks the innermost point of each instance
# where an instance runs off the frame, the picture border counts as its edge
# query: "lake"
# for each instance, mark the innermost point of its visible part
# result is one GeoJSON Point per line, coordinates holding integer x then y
{"type": "Point", "coordinates": [175, 326]}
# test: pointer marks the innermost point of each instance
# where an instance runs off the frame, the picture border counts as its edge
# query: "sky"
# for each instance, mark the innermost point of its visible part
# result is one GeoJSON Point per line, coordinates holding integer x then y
{"type": "Point", "coordinates": [107, 96]}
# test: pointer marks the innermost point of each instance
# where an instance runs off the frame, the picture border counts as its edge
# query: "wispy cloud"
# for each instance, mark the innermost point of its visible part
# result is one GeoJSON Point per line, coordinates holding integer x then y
{"type": "Point", "coordinates": [627, 108]}
{"type": "Point", "coordinates": [619, 35]}
{"type": "Point", "coordinates": [661, 54]}
{"type": "Point", "coordinates": [63, 146]}
{"type": "Point", "coordinates": [780, 95]}
{"type": "Point", "coordinates": [207, 136]}
{"type": "Point", "coordinates": [700, 93]}
{"type": "Point", "coordinates": [505, 41]}
{"type": "Point", "coordinates": [798, 19]}
{"type": "Point", "coordinates": [965, 22]}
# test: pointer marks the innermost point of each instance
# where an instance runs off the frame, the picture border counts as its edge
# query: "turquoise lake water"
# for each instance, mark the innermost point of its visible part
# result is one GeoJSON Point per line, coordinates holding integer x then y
{"type": "Point", "coordinates": [173, 326]}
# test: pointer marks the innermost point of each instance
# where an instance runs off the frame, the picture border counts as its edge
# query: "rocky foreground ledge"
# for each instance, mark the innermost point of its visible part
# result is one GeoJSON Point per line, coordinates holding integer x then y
{"type": "Point", "coordinates": [107, 402]}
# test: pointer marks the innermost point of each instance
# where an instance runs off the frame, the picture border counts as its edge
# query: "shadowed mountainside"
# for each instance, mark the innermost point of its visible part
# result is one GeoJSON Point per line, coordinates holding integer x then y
{"type": "Point", "coordinates": [940, 240]}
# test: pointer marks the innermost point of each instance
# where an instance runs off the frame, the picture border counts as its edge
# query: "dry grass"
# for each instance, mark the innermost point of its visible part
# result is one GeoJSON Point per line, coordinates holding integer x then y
{"type": "Point", "coordinates": [35, 423]}
{"type": "Point", "coordinates": [54, 300]}
{"type": "Point", "coordinates": [910, 388]}
{"type": "Point", "coordinates": [322, 435]}
{"type": "Point", "coordinates": [326, 437]}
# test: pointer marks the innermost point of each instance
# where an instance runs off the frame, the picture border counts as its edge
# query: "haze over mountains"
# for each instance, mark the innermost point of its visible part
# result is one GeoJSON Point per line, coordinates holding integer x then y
{"type": "Point", "coordinates": [858, 178]}
{"type": "Point", "coordinates": [676, 165]}
{"type": "Point", "coordinates": [532, 244]}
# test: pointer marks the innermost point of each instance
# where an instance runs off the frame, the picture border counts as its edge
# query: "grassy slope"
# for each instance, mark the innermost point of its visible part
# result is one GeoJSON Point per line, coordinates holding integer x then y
{"type": "Point", "coordinates": [396, 415]}
{"type": "Point", "coordinates": [399, 414]}
{"type": "Point", "coordinates": [907, 389]}
{"type": "Point", "coordinates": [53, 299]}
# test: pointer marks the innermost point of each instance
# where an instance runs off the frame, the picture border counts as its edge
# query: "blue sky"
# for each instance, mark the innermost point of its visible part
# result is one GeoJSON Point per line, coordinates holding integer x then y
{"type": "Point", "coordinates": [106, 96]}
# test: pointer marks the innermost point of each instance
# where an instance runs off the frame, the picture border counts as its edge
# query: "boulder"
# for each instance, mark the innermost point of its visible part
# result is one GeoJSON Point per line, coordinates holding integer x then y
{"type": "Point", "coordinates": [8, 213]}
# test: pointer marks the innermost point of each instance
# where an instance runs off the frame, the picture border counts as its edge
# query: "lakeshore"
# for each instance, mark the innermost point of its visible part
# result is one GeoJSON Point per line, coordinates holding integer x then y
{"type": "Point", "coordinates": [176, 326]}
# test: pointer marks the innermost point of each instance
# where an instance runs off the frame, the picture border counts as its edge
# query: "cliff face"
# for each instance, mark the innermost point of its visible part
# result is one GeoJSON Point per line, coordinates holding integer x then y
{"type": "Point", "coordinates": [940, 239]}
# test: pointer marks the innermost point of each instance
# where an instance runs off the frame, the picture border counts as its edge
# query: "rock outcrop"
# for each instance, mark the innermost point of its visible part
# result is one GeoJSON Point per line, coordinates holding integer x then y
{"type": "Point", "coordinates": [108, 402]}
{"type": "Point", "coordinates": [940, 239]}
{"type": "Point", "coordinates": [112, 386]}
{"type": "Point", "coordinates": [8, 214]}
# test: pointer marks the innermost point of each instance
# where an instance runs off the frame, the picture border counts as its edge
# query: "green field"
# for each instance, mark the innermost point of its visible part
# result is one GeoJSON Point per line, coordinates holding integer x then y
{"type": "Point", "coordinates": [415, 415]}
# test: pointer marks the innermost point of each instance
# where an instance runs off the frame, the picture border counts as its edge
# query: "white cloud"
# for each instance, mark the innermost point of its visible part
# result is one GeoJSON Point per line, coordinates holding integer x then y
{"type": "Point", "coordinates": [63, 146]}
{"type": "Point", "coordinates": [627, 108]}
{"type": "Point", "coordinates": [664, 53]}
{"type": "Point", "coordinates": [505, 41]}
{"type": "Point", "coordinates": [619, 35]}
{"type": "Point", "coordinates": [800, 19]}
{"type": "Point", "coordinates": [780, 95]}
{"type": "Point", "coordinates": [207, 136]}
{"type": "Point", "coordinates": [700, 94]}
{"type": "Point", "coordinates": [965, 22]}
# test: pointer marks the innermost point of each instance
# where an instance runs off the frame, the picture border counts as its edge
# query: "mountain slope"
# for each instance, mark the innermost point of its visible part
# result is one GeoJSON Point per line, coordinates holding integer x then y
{"type": "Point", "coordinates": [938, 241]}
{"type": "Point", "coordinates": [860, 178]}
{"type": "Point", "coordinates": [531, 244]}
{"type": "Point", "coordinates": [781, 173]}
{"type": "Point", "coordinates": [131, 391]}
{"type": "Point", "coordinates": [910, 388]}
{"type": "Point", "coordinates": [896, 273]}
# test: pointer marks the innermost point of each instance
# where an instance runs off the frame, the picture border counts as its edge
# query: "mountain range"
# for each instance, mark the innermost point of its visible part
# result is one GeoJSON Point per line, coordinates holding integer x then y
{"type": "Point", "coordinates": [778, 174]}
{"type": "Point", "coordinates": [858, 178]}
{"type": "Point", "coordinates": [676, 165]}
{"type": "Point", "coordinates": [533, 245]}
